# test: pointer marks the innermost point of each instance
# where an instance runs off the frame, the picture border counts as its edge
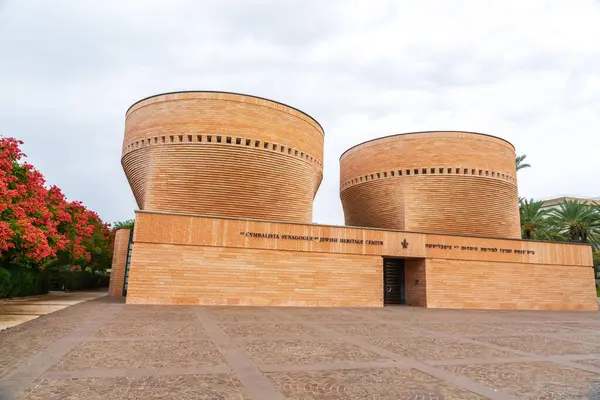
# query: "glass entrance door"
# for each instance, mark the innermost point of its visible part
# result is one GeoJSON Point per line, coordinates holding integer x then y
{"type": "Point", "coordinates": [394, 291]}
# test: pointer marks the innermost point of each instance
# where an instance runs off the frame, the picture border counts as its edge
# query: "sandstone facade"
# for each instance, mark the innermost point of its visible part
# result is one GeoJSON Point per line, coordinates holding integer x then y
{"type": "Point", "coordinates": [225, 184]}
{"type": "Point", "coordinates": [442, 182]}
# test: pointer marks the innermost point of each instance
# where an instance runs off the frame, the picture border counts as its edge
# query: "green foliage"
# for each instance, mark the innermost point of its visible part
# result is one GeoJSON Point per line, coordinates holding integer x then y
{"type": "Point", "coordinates": [19, 282]}
{"type": "Point", "coordinates": [577, 222]}
{"type": "Point", "coordinates": [79, 280]}
{"type": "Point", "coordinates": [520, 161]}
{"type": "Point", "coordinates": [596, 256]}
{"type": "Point", "coordinates": [572, 221]}
{"type": "Point", "coordinates": [4, 283]}
{"type": "Point", "coordinates": [534, 221]}
{"type": "Point", "coordinates": [124, 224]}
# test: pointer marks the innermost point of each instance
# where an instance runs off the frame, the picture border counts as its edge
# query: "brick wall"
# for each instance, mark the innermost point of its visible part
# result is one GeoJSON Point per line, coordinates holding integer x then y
{"type": "Point", "coordinates": [499, 285]}
{"type": "Point", "coordinates": [415, 282]}
{"type": "Point", "coordinates": [176, 274]}
{"type": "Point", "coordinates": [223, 154]}
{"type": "Point", "coordinates": [117, 270]}
{"type": "Point", "coordinates": [443, 182]}
{"type": "Point", "coordinates": [187, 259]}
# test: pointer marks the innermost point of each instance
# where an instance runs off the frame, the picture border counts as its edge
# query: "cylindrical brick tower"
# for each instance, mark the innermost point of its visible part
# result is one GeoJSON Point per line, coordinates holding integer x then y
{"type": "Point", "coordinates": [223, 154]}
{"type": "Point", "coordinates": [442, 182]}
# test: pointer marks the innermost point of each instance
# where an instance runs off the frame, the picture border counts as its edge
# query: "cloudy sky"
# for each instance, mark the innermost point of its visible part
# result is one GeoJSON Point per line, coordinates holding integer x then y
{"type": "Point", "coordinates": [527, 71]}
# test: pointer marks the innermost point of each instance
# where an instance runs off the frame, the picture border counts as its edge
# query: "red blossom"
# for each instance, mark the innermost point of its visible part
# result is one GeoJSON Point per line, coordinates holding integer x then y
{"type": "Point", "coordinates": [38, 222]}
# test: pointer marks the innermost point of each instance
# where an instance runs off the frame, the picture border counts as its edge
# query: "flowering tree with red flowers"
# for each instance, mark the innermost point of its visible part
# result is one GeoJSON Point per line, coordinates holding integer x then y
{"type": "Point", "coordinates": [38, 226]}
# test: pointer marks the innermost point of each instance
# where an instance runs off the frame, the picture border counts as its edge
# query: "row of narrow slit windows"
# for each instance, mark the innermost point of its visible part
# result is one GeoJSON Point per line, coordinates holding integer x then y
{"type": "Point", "coordinates": [221, 139]}
{"type": "Point", "coordinates": [430, 171]}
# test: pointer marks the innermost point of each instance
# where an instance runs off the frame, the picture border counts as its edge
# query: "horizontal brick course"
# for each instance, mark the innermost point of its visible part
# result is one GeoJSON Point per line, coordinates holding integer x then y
{"type": "Point", "coordinates": [444, 182]}
{"type": "Point", "coordinates": [186, 259]}
{"type": "Point", "coordinates": [223, 154]}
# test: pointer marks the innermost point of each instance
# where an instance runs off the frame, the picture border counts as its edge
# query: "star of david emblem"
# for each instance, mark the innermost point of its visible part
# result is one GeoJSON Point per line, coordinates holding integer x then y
{"type": "Point", "coordinates": [404, 244]}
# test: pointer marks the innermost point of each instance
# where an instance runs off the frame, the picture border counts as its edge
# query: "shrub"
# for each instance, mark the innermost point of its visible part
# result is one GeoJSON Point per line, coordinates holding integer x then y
{"type": "Point", "coordinates": [19, 282]}
{"type": "Point", "coordinates": [79, 280]}
{"type": "Point", "coordinates": [4, 283]}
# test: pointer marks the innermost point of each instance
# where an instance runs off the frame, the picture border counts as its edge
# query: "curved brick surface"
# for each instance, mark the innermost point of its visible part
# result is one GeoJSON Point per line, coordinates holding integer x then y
{"type": "Point", "coordinates": [223, 154]}
{"type": "Point", "coordinates": [444, 182]}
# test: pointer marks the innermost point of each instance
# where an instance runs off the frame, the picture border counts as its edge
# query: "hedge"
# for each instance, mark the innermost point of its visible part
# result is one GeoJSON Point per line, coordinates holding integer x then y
{"type": "Point", "coordinates": [19, 282]}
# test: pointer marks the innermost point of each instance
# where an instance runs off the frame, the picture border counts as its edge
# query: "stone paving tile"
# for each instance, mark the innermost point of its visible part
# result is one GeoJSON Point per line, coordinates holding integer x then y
{"type": "Point", "coordinates": [20, 342]}
{"type": "Point", "coordinates": [595, 362]}
{"type": "Point", "coordinates": [374, 329]}
{"type": "Point", "coordinates": [186, 387]}
{"type": "Point", "coordinates": [591, 325]}
{"type": "Point", "coordinates": [438, 349]}
{"type": "Point", "coordinates": [524, 327]}
{"type": "Point", "coordinates": [247, 317]}
{"type": "Point", "coordinates": [281, 351]}
{"type": "Point", "coordinates": [462, 328]}
{"type": "Point", "coordinates": [540, 345]}
{"type": "Point", "coordinates": [150, 354]}
{"type": "Point", "coordinates": [150, 330]}
{"type": "Point", "coordinates": [592, 338]}
{"type": "Point", "coordinates": [327, 317]}
{"type": "Point", "coordinates": [128, 316]}
{"type": "Point", "coordinates": [393, 384]}
{"type": "Point", "coordinates": [534, 380]}
{"type": "Point", "coordinates": [268, 329]}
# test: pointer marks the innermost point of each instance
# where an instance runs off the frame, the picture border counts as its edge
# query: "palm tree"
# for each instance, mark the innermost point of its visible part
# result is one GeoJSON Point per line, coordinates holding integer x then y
{"type": "Point", "coordinates": [577, 222]}
{"type": "Point", "coordinates": [124, 224]}
{"type": "Point", "coordinates": [520, 162]}
{"type": "Point", "coordinates": [534, 221]}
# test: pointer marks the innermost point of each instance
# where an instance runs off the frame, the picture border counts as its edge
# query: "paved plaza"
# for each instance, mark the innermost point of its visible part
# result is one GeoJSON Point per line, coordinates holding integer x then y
{"type": "Point", "coordinates": [104, 349]}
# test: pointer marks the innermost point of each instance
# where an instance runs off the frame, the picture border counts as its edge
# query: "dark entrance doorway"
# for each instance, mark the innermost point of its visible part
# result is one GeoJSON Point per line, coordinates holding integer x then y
{"type": "Point", "coordinates": [394, 290]}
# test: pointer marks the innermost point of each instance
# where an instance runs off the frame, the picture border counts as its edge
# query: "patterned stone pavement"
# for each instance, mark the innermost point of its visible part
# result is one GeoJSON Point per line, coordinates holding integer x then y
{"type": "Point", "coordinates": [104, 349]}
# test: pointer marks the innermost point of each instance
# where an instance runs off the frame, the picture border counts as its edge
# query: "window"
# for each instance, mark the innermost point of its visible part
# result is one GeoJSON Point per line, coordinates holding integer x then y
{"type": "Point", "coordinates": [180, 138]}
{"type": "Point", "coordinates": [385, 174]}
{"type": "Point", "coordinates": [408, 172]}
{"type": "Point", "coordinates": [257, 143]}
{"type": "Point", "coordinates": [238, 140]}
{"type": "Point", "coordinates": [218, 139]}
{"type": "Point", "coordinates": [209, 139]}
{"type": "Point", "coordinates": [199, 138]}
{"type": "Point", "coordinates": [432, 170]}
{"type": "Point", "coordinates": [228, 140]}
{"type": "Point", "coordinates": [248, 141]}
{"type": "Point", "coordinates": [424, 170]}
{"type": "Point", "coordinates": [378, 176]}
{"type": "Point", "coordinates": [392, 173]}
{"type": "Point", "coordinates": [465, 171]}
